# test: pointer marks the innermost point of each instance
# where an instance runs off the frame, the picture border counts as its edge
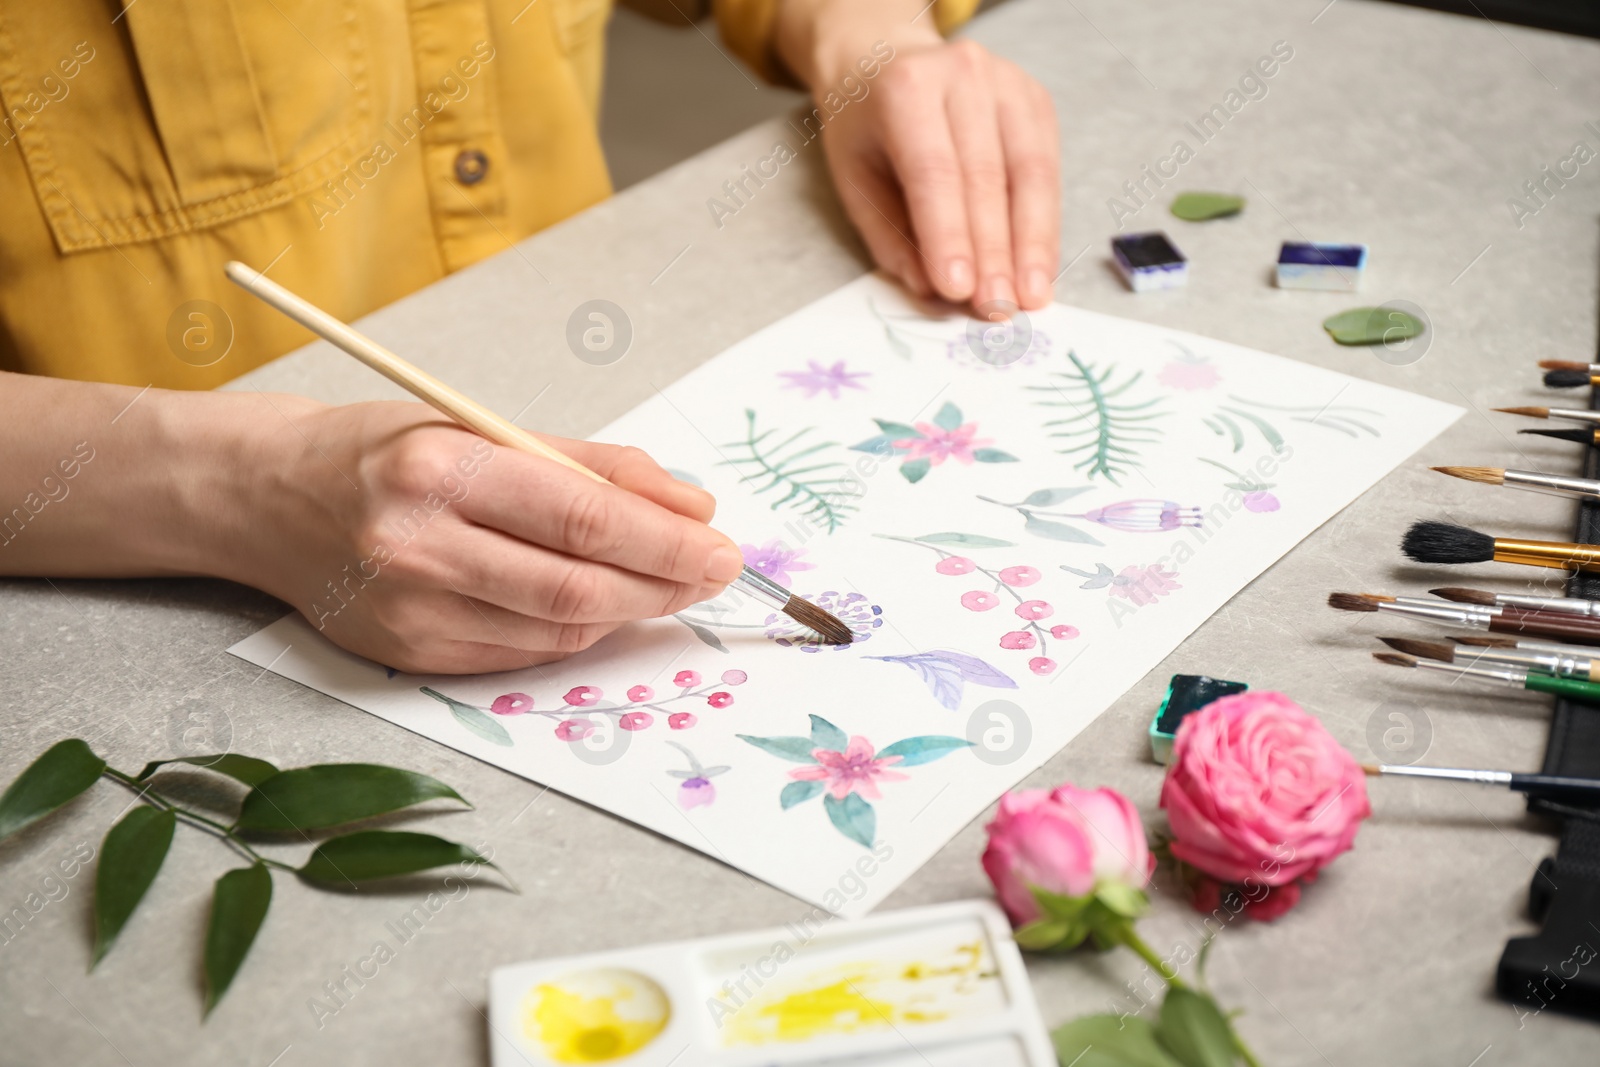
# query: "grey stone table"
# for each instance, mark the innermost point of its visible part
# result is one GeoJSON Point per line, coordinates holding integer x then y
{"type": "Point", "coordinates": [1405, 129]}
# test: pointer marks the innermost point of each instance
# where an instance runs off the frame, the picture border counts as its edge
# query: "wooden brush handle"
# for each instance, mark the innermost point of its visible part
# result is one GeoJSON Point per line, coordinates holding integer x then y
{"type": "Point", "coordinates": [1576, 628]}
{"type": "Point", "coordinates": [420, 384]}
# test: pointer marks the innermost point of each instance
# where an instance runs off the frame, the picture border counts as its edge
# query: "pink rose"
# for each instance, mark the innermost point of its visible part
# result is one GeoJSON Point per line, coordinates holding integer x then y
{"type": "Point", "coordinates": [1067, 841]}
{"type": "Point", "coordinates": [1259, 793]}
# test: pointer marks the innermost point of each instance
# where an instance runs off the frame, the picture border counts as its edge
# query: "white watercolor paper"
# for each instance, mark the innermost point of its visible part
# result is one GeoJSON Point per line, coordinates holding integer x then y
{"type": "Point", "coordinates": [1034, 518]}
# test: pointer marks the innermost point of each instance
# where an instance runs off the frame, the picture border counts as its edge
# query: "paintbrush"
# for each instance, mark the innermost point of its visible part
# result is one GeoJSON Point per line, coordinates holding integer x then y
{"type": "Point", "coordinates": [1569, 375]}
{"type": "Point", "coordinates": [1494, 619]}
{"type": "Point", "coordinates": [1582, 666]}
{"type": "Point", "coordinates": [1577, 435]}
{"type": "Point", "coordinates": [1443, 542]}
{"type": "Point", "coordinates": [1512, 677]}
{"type": "Point", "coordinates": [1574, 414]}
{"type": "Point", "coordinates": [1558, 784]}
{"type": "Point", "coordinates": [1530, 643]}
{"type": "Point", "coordinates": [1566, 605]}
{"type": "Point", "coordinates": [479, 419]}
{"type": "Point", "coordinates": [1569, 364]}
{"type": "Point", "coordinates": [1552, 484]}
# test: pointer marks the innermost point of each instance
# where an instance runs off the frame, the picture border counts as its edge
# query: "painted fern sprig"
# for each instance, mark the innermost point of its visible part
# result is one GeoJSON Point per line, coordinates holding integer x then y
{"type": "Point", "coordinates": [793, 468]}
{"type": "Point", "coordinates": [1102, 429]}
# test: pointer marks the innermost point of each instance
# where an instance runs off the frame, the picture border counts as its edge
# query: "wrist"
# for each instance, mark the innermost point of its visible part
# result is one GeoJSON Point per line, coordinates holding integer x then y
{"type": "Point", "coordinates": [825, 41]}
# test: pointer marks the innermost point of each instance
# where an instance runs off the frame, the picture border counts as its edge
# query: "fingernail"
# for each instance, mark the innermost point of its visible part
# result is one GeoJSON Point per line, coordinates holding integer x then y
{"type": "Point", "coordinates": [998, 291]}
{"type": "Point", "coordinates": [960, 274]}
{"type": "Point", "coordinates": [1038, 286]}
{"type": "Point", "coordinates": [724, 564]}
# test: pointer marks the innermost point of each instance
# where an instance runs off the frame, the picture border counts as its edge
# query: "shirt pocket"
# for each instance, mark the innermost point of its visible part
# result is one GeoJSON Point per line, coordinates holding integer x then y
{"type": "Point", "coordinates": [185, 114]}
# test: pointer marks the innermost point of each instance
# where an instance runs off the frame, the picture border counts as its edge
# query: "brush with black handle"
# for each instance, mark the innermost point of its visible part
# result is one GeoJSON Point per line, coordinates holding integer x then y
{"type": "Point", "coordinates": [1544, 785]}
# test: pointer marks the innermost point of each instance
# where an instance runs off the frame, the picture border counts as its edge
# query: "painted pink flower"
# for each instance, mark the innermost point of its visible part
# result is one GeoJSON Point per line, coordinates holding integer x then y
{"type": "Point", "coordinates": [720, 699]}
{"type": "Point", "coordinates": [686, 679]}
{"type": "Point", "coordinates": [512, 704]}
{"type": "Point", "coordinates": [636, 720]}
{"type": "Point", "coordinates": [1018, 639]}
{"type": "Point", "coordinates": [640, 693]}
{"type": "Point", "coordinates": [734, 677]}
{"type": "Point", "coordinates": [1145, 516]}
{"type": "Point", "coordinates": [817, 379]}
{"type": "Point", "coordinates": [775, 560]}
{"type": "Point", "coordinates": [1034, 610]}
{"type": "Point", "coordinates": [1064, 632]}
{"type": "Point", "coordinates": [937, 445]}
{"type": "Point", "coordinates": [583, 696]}
{"type": "Point", "coordinates": [1189, 375]}
{"type": "Point", "coordinates": [1144, 585]}
{"type": "Point", "coordinates": [855, 770]}
{"type": "Point", "coordinates": [696, 793]}
{"type": "Point", "coordinates": [1260, 501]}
{"type": "Point", "coordinates": [681, 720]}
{"type": "Point", "coordinates": [1019, 576]}
{"type": "Point", "coordinates": [979, 600]}
{"type": "Point", "coordinates": [1041, 665]}
{"type": "Point", "coordinates": [574, 730]}
{"type": "Point", "coordinates": [955, 565]}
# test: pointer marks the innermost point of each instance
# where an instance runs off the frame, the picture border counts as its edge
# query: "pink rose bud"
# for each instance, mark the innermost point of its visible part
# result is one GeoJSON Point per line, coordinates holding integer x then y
{"type": "Point", "coordinates": [734, 677]}
{"type": "Point", "coordinates": [1019, 575]}
{"type": "Point", "coordinates": [583, 696]}
{"type": "Point", "coordinates": [1018, 639]}
{"type": "Point", "coordinates": [636, 720]}
{"type": "Point", "coordinates": [696, 793]}
{"type": "Point", "coordinates": [641, 693]}
{"type": "Point", "coordinates": [574, 730]}
{"type": "Point", "coordinates": [1064, 632]}
{"type": "Point", "coordinates": [686, 679]}
{"type": "Point", "coordinates": [1067, 841]}
{"type": "Point", "coordinates": [979, 600]}
{"type": "Point", "coordinates": [1034, 610]}
{"type": "Point", "coordinates": [512, 704]}
{"type": "Point", "coordinates": [1259, 794]}
{"type": "Point", "coordinates": [681, 720]}
{"type": "Point", "coordinates": [955, 565]}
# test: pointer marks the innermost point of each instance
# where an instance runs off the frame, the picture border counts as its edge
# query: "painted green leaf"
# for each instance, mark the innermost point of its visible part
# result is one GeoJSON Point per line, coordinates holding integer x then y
{"type": "Point", "coordinates": [1110, 1041]}
{"type": "Point", "coordinates": [970, 540]}
{"type": "Point", "coordinates": [1044, 498]}
{"type": "Point", "coordinates": [1198, 207]}
{"type": "Point", "coordinates": [992, 455]}
{"type": "Point", "coordinates": [798, 793]}
{"type": "Point", "coordinates": [369, 855]}
{"type": "Point", "coordinates": [1372, 326]}
{"type": "Point", "coordinates": [853, 817]}
{"type": "Point", "coordinates": [1194, 1030]}
{"type": "Point", "coordinates": [246, 769]}
{"type": "Point", "coordinates": [130, 858]}
{"type": "Point", "coordinates": [1058, 531]}
{"type": "Point", "coordinates": [238, 908]}
{"type": "Point", "coordinates": [699, 631]}
{"type": "Point", "coordinates": [474, 719]}
{"type": "Point", "coordinates": [826, 735]}
{"type": "Point", "coordinates": [915, 470]}
{"type": "Point", "coordinates": [332, 794]}
{"type": "Point", "coordinates": [65, 769]}
{"type": "Point", "coordinates": [914, 751]}
{"type": "Point", "coordinates": [793, 749]}
{"type": "Point", "coordinates": [881, 445]}
{"type": "Point", "coordinates": [897, 431]}
{"type": "Point", "coordinates": [948, 417]}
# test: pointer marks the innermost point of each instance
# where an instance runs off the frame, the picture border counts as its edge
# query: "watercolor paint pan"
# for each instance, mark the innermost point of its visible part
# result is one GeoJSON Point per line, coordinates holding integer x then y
{"type": "Point", "coordinates": [924, 987]}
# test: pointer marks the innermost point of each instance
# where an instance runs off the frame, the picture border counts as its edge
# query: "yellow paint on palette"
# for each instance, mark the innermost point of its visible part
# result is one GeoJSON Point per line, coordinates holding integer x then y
{"type": "Point", "coordinates": [595, 1016]}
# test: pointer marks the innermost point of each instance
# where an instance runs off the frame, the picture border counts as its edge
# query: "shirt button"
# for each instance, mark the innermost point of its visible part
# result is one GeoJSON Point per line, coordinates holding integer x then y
{"type": "Point", "coordinates": [471, 166]}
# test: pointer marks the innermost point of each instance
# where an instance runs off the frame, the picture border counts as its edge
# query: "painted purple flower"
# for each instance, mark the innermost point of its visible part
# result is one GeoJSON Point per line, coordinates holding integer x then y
{"type": "Point", "coordinates": [1259, 501]}
{"type": "Point", "coordinates": [1144, 516]}
{"type": "Point", "coordinates": [817, 379]}
{"type": "Point", "coordinates": [852, 609]}
{"type": "Point", "coordinates": [1144, 585]}
{"type": "Point", "coordinates": [696, 793]}
{"type": "Point", "coordinates": [775, 560]}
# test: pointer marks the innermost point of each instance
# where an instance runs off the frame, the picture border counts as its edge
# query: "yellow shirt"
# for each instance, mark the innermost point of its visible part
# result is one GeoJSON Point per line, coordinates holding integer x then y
{"type": "Point", "coordinates": [360, 149]}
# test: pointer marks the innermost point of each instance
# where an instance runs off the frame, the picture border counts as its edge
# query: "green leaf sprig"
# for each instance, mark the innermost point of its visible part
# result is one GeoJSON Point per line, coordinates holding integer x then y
{"type": "Point", "coordinates": [277, 803]}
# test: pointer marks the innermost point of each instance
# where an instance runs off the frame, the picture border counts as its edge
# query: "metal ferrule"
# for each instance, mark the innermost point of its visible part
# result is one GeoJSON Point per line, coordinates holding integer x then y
{"type": "Point", "coordinates": [1564, 605]}
{"type": "Point", "coordinates": [1535, 644]}
{"type": "Point", "coordinates": [1545, 662]}
{"type": "Point", "coordinates": [762, 588]}
{"type": "Point", "coordinates": [1553, 484]}
{"type": "Point", "coordinates": [1577, 414]}
{"type": "Point", "coordinates": [1547, 554]}
{"type": "Point", "coordinates": [1458, 614]}
{"type": "Point", "coordinates": [1459, 774]}
{"type": "Point", "coordinates": [1500, 675]}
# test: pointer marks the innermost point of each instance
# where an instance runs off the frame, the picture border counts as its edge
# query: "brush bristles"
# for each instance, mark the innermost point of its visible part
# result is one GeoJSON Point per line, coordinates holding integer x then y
{"type": "Point", "coordinates": [1395, 659]}
{"type": "Point", "coordinates": [1566, 379]}
{"type": "Point", "coordinates": [1532, 413]}
{"type": "Point", "coordinates": [1424, 649]}
{"type": "Point", "coordinates": [1353, 601]}
{"type": "Point", "coordinates": [1576, 436]}
{"type": "Point", "coordinates": [826, 626]}
{"type": "Point", "coordinates": [1443, 542]}
{"type": "Point", "coordinates": [1563, 364]}
{"type": "Point", "coordinates": [1466, 596]}
{"type": "Point", "coordinates": [1486, 475]}
{"type": "Point", "coordinates": [1371, 770]}
{"type": "Point", "coordinates": [1481, 641]}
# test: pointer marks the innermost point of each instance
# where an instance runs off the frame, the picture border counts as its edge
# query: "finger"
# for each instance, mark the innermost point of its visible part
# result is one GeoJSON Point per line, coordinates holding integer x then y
{"type": "Point", "coordinates": [546, 504]}
{"type": "Point", "coordinates": [634, 470]}
{"type": "Point", "coordinates": [917, 137]}
{"type": "Point", "coordinates": [975, 132]}
{"type": "Point", "coordinates": [874, 205]}
{"type": "Point", "coordinates": [1030, 138]}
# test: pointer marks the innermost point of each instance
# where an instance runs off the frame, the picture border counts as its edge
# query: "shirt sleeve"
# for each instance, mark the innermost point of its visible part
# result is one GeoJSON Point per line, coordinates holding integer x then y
{"type": "Point", "coordinates": [747, 27]}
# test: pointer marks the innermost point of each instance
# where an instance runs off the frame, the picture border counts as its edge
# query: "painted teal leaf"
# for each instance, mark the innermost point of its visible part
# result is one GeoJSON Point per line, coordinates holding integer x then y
{"type": "Point", "coordinates": [948, 417]}
{"type": "Point", "coordinates": [915, 751]}
{"type": "Point", "coordinates": [474, 719]}
{"type": "Point", "coordinates": [1058, 531]}
{"type": "Point", "coordinates": [1372, 326]}
{"type": "Point", "coordinates": [246, 769]}
{"type": "Point", "coordinates": [826, 735]}
{"type": "Point", "coordinates": [798, 793]}
{"type": "Point", "coordinates": [238, 908]}
{"type": "Point", "coordinates": [1193, 1029]}
{"type": "Point", "coordinates": [1044, 498]}
{"type": "Point", "coordinates": [853, 817]}
{"type": "Point", "coordinates": [332, 794]}
{"type": "Point", "coordinates": [130, 858]}
{"type": "Point", "coordinates": [881, 445]}
{"type": "Point", "coordinates": [992, 455]}
{"type": "Point", "coordinates": [370, 855]}
{"type": "Point", "coordinates": [1110, 1041]}
{"type": "Point", "coordinates": [65, 769]}
{"type": "Point", "coordinates": [699, 631]}
{"type": "Point", "coordinates": [1198, 207]}
{"type": "Point", "coordinates": [793, 749]}
{"type": "Point", "coordinates": [914, 470]}
{"type": "Point", "coordinates": [970, 540]}
{"type": "Point", "coordinates": [898, 431]}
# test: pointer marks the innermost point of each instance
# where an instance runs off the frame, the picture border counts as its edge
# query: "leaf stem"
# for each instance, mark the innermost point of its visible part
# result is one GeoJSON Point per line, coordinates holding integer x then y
{"type": "Point", "coordinates": [1131, 938]}
{"type": "Point", "coordinates": [146, 792]}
